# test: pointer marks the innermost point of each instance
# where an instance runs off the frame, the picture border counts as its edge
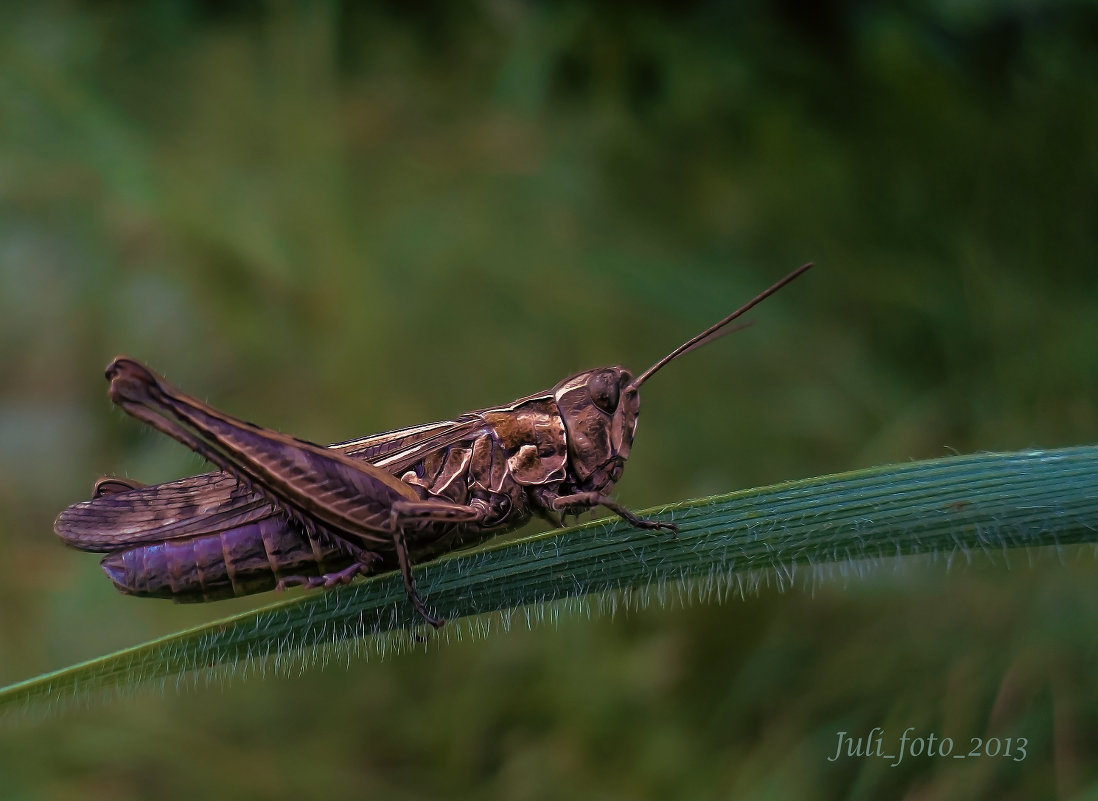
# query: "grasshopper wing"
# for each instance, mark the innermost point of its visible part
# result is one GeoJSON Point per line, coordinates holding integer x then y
{"type": "Point", "coordinates": [306, 482]}
{"type": "Point", "coordinates": [211, 502]}
{"type": "Point", "coordinates": [191, 506]}
{"type": "Point", "coordinates": [311, 484]}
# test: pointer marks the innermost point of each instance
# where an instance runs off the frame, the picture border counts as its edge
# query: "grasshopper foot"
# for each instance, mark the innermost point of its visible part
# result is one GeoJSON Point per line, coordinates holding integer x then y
{"type": "Point", "coordinates": [652, 525]}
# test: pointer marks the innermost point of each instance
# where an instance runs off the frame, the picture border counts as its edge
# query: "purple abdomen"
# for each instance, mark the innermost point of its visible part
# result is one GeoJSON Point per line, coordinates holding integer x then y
{"type": "Point", "coordinates": [210, 567]}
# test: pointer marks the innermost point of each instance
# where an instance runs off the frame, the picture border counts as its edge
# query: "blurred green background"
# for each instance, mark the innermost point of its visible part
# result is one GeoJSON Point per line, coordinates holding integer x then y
{"type": "Point", "coordinates": [336, 219]}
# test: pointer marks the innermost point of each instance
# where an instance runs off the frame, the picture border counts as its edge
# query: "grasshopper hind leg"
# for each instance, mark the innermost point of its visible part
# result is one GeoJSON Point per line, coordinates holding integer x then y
{"type": "Point", "coordinates": [363, 565]}
{"type": "Point", "coordinates": [327, 580]}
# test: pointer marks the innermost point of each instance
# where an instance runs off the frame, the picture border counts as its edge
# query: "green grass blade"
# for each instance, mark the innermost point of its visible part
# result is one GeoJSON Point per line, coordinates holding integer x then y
{"type": "Point", "coordinates": [779, 535]}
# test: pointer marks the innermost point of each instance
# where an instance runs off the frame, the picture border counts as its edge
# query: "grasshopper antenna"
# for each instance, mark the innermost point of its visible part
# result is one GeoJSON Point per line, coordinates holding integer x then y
{"type": "Point", "coordinates": [711, 333]}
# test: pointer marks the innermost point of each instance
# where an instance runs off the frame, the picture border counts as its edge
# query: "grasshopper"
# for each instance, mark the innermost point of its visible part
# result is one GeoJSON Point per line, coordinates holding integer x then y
{"type": "Point", "coordinates": [284, 512]}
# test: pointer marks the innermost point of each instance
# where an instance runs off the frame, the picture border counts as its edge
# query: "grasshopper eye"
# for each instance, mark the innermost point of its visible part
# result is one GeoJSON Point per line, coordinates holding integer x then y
{"type": "Point", "coordinates": [603, 389]}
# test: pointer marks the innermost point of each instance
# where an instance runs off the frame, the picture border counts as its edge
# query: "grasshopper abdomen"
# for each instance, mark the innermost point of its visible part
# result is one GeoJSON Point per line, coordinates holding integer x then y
{"type": "Point", "coordinates": [211, 567]}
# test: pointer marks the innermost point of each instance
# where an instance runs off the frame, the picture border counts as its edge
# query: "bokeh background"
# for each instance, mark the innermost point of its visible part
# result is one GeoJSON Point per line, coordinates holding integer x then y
{"type": "Point", "coordinates": [335, 219]}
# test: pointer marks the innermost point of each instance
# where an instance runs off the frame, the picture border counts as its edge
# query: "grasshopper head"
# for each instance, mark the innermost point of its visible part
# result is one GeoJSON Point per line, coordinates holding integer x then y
{"type": "Point", "coordinates": [599, 409]}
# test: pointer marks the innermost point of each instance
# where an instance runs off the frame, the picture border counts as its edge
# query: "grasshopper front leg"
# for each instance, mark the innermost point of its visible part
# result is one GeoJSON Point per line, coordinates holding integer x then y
{"type": "Point", "coordinates": [580, 502]}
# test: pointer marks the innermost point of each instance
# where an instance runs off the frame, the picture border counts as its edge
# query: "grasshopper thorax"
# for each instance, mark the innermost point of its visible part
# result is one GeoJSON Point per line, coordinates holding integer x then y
{"type": "Point", "coordinates": [599, 409]}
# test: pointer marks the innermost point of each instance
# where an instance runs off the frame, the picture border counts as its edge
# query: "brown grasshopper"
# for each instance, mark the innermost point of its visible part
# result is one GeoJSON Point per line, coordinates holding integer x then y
{"type": "Point", "coordinates": [284, 511]}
